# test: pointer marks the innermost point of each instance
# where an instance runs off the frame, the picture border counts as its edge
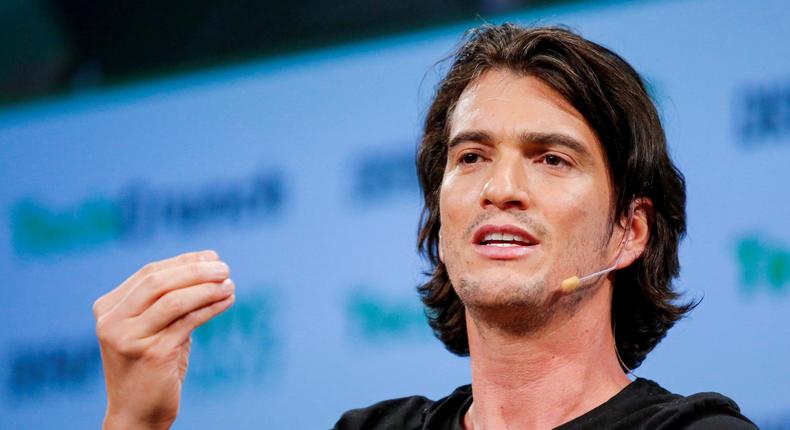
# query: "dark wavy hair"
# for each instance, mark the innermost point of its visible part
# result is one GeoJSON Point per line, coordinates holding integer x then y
{"type": "Point", "coordinates": [612, 98]}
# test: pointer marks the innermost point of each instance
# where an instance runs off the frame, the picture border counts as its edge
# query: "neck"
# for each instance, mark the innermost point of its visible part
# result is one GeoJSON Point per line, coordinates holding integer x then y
{"type": "Point", "coordinates": [547, 376]}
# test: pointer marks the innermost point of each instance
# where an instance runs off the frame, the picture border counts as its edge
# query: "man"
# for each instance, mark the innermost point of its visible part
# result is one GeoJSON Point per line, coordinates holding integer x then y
{"type": "Point", "coordinates": [552, 220]}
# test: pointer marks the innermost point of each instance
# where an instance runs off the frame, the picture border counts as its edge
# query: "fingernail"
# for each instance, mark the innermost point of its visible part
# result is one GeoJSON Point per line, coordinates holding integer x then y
{"type": "Point", "coordinates": [227, 285]}
{"type": "Point", "coordinates": [219, 268]}
{"type": "Point", "coordinates": [208, 255]}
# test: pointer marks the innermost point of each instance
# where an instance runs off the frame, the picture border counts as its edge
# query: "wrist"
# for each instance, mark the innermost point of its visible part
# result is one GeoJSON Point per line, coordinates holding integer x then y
{"type": "Point", "coordinates": [119, 421]}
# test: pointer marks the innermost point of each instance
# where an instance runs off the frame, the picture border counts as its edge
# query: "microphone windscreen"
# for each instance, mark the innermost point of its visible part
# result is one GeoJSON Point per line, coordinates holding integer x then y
{"type": "Point", "coordinates": [570, 284]}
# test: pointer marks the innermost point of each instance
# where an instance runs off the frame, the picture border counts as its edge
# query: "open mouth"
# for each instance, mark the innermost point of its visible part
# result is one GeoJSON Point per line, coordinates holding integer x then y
{"type": "Point", "coordinates": [503, 236]}
{"type": "Point", "coordinates": [504, 240]}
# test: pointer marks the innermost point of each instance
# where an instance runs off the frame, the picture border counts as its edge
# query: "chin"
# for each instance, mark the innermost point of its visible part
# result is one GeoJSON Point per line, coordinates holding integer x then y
{"type": "Point", "coordinates": [515, 308]}
{"type": "Point", "coordinates": [492, 292]}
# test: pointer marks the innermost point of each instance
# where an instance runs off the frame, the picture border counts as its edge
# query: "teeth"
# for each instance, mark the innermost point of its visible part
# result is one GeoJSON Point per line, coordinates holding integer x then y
{"type": "Point", "coordinates": [493, 236]}
{"type": "Point", "coordinates": [504, 237]}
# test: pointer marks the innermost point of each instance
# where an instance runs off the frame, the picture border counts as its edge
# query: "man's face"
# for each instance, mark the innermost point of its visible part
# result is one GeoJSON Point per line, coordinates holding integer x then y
{"type": "Point", "coordinates": [525, 199]}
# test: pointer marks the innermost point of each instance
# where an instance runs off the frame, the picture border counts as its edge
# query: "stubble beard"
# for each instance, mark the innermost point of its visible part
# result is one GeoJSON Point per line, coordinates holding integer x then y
{"type": "Point", "coordinates": [522, 307]}
{"type": "Point", "coordinates": [516, 309]}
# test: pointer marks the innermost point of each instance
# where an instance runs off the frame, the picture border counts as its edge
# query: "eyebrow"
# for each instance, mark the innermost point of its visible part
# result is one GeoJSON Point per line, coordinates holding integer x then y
{"type": "Point", "coordinates": [556, 139]}
{"type": "Point", "coordinates": [478, 136]}
{"type": "Point", "coordinates": [526, 138]}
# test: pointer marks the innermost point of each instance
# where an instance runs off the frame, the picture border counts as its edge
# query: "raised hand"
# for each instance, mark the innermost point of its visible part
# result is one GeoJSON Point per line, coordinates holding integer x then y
{"type": "Point", "coordinates": [144, 327]}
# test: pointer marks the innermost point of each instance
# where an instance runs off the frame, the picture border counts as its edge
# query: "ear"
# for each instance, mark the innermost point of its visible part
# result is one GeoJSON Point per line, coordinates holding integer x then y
{"type": "Point", "coordinates": [638, 232]}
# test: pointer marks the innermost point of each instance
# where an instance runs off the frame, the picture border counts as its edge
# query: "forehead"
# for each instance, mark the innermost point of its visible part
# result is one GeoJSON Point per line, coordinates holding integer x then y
{"type": "Point", "coordinates": [503, 103]}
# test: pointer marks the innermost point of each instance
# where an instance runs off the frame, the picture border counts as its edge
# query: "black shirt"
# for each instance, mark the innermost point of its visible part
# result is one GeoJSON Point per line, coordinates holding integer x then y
{"type": "Point", "coordinates": [643, 404]}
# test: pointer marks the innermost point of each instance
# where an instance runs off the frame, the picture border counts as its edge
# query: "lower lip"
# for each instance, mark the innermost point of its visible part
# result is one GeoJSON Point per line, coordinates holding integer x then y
{"type": "Point", "coordinates": [504, 252]}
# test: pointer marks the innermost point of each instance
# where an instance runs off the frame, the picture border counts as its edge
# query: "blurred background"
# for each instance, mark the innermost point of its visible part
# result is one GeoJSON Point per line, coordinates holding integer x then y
{"type": "Point", "coordinates": [282, 135]}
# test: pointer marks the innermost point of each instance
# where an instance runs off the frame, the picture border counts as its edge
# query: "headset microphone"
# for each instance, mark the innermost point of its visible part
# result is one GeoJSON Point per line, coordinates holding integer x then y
{"type": "Point", "coordinates": [572, 283]}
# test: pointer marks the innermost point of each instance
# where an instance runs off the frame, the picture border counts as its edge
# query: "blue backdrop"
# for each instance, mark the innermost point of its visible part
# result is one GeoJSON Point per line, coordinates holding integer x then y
{"type": "Point", "coordinates": [300, 172]}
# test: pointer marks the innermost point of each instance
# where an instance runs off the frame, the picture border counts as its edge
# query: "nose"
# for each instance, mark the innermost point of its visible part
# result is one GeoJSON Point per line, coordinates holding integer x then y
{"type": "Point", "coordinates": [506, 187]}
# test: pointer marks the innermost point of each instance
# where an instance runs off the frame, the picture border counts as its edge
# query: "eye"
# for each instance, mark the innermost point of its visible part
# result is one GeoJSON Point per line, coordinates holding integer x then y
{"type": "Point", "coordinates": [554, 160]}
{"type": "Point", "coordinates": [469, 158]}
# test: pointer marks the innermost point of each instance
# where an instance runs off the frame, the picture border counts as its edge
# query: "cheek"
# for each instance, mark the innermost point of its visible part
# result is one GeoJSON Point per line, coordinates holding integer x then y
{"type": "Point", "coordinates": [441, 252]}
{"type": "Point", "coordinates": [452, 215]}
{"type": "Point", "coordinates": [446, 206]}
{"type": "Point", "coordinates": [579, 221]}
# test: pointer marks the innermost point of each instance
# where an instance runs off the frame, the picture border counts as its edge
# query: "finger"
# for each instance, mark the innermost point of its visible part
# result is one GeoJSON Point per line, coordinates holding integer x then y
{"type": "Point", "coordinates": [179, 303]}
{"type": "Point", "coordinates": [179, 331]}
{"type": "Point", "coordinates": [108, 301]}
{"type": "Point", "coordinates": [164, 281]}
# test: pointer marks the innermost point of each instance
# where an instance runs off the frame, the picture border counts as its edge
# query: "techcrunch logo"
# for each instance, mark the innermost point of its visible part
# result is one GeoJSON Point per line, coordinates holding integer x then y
{"type": "Point", "coordinates": [382, 175]}
{"type": "Point", "coordinates": [242, 344]}
{"type": "Point", "coordinates": [140, 211]}
{"type": "Point", "coordinates": [762, 114]}
{"type": "Point", "coordinates": [375, 318]}
{"type": "Point", "coordinates": [764, 265]}
{"type": "Point", "coordinates": [37, 369]}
